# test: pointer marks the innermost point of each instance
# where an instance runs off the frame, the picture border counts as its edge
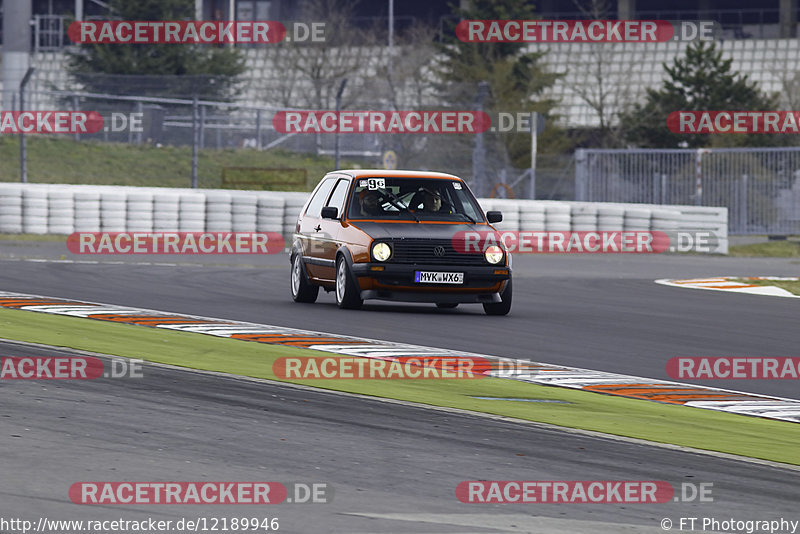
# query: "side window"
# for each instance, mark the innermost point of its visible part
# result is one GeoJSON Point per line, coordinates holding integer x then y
{"type": "Point", "coordinates": [339, 195]}
{"type": "Point", "coordinates": [315, 206]}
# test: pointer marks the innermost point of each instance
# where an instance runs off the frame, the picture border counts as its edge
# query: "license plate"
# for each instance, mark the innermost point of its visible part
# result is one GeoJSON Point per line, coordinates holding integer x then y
{"type": "Point", "coordinates": [431, 277]}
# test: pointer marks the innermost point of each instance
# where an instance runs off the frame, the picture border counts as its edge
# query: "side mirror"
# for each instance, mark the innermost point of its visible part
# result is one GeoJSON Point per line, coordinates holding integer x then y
{"type": "Point", "coordinates": [330, 212]}
{"type": "Point", "coordinates": [494, 216]}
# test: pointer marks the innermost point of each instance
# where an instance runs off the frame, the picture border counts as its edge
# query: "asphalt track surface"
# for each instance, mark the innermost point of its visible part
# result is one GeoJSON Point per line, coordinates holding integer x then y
{"type": "Point", "coordinates": [598, 312]}
{"type": "Point", "coordinates": [394, 468]}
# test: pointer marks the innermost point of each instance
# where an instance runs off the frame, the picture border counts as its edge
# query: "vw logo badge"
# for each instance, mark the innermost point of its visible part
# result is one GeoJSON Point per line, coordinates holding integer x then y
{"type": "Point", "coordinates": [438, 251]}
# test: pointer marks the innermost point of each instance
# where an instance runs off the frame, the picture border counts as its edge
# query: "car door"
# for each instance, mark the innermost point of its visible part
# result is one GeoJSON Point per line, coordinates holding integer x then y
{"type": "Point", "coordinates": [330, 229]}
{"type": "Point", "coordinates": [311, 228]}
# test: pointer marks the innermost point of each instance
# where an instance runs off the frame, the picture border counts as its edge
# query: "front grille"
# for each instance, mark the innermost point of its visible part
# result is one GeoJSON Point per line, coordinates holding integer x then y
{"type": "Point", "coordinates": [422, 251]}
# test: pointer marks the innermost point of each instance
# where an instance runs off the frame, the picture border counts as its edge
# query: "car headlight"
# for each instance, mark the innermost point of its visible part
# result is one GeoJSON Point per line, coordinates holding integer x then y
{"type": "Point", "coordinates": [381, 251]}
{"type": "Point", "coordinates": [493, 254]}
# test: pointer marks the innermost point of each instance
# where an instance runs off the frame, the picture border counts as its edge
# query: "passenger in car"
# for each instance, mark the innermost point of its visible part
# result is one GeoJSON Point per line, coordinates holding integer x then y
{"type": "Point", "coordinates": [369, 203]}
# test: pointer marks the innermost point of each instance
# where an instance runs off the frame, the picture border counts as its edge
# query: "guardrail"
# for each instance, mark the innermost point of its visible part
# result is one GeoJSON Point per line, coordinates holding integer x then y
{"type": "Point", "coordinates": [63, 209]}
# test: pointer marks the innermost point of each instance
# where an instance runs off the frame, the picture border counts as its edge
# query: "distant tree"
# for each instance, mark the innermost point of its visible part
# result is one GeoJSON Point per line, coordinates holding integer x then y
{"type": "Point", "coordinates": [516, 77]}
{"type": "Point", "coordinates": [599, 83]}
{"type": "Point", "coordinates": [310, 73]}
{"type": "Point", "coordinates": [205, 70]}
{"type": "Point", "coordinates": [408, 85]}
{"type": "Point", "coordinates": [701, 80]}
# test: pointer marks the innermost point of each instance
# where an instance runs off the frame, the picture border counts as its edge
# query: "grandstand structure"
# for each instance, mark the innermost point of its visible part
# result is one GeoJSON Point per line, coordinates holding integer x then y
{"type": "Point", "coordinates": [620, 72]}
{"type": "Point", "coordinates": [599, 79]}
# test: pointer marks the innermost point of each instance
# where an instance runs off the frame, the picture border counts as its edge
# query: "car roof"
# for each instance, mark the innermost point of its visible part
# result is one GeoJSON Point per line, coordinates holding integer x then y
{"type": "Point", "coordinates": [383, 173]}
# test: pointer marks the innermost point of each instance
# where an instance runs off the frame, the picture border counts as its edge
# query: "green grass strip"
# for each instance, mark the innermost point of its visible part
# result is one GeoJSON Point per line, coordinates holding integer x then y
{"type": "Point", "coordinates": [24, 238]}
{"type": "Point", "coordinates": [679, 425]}
{"type": "Point", "coordinates": [789, 248]}
{"type": "Point", "coordinates": [60, 160]}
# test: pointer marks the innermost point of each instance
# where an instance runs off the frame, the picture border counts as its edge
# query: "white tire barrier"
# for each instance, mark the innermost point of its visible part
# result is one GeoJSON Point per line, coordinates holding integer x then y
{"type": "Point", "coordinates": [139, 214]}
{"type": "Point", "coordinates": [192, 212]}
{"type": "Point", "coordinates": [113, 209]}
{"type": "Point", "coordinates": [51, 208]}
{"type": "Point", "coordinates": [87, 216]}
{"type": "Point", "coordinates": [703, 219]}
{"type": "Point", "coordinates": [531, 216]}
{"type": "Point", "coordinates": [636, 219]}
{"type": "Point", "coordinates": [165, 212]}
{"type": "Point", "coordinates": [11, 210]}
{"type": "Point", "coordinates": [34, 211]}
{"type": "Point", "coordinates": [218, 212]}
{"type": "Point", "coordinates": [269, 213]}
{"type": "Point", "coordinates": [244, 212]}
{"type": "Point", "coordinates": [87, 211]}
{"type": "Point", "coordinates": [60, 211]}
{"type": "Point", "coordinates": [558, 217]}
{"type": "Point", "coordinates": [610, 218]}
{"type": "Point", "coordinates": [584, 217]}
{"type": "Point", "coordinates": [665, 220]}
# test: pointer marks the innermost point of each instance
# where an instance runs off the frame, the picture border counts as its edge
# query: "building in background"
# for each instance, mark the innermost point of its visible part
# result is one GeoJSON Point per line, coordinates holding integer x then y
{"type": "Point", "coordinates": [760, 40]}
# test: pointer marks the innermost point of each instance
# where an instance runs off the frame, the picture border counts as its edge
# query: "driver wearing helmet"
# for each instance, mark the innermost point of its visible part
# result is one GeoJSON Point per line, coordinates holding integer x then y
{"type": "Point", "coordinates": [369, 202]}
{"type": "Point", "coordinates": [431, 201]}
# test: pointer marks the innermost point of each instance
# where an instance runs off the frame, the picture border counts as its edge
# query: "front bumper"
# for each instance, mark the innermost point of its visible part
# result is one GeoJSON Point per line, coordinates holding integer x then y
{"type": "Point", "coordinates": [482, 284]}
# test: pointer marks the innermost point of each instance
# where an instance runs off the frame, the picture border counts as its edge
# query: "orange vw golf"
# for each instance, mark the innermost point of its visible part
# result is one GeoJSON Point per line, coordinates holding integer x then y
{"type": "Point", "coordinates": [389, 235]}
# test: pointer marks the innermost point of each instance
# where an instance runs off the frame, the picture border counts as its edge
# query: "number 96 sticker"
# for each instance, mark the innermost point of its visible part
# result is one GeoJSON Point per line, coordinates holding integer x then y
{"type": "Point", "coordinates": [376, 183]}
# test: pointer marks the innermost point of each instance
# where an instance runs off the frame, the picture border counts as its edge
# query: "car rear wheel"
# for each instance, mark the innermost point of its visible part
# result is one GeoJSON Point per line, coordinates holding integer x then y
{"type": "Point", "coordinates": [502, 307]}
{"type": "Point", "coordinates": [347, 294]}
{"type": "Point", "coordinates": [446, 305]}
{"type": "Point", "coordinates": [302, 289]}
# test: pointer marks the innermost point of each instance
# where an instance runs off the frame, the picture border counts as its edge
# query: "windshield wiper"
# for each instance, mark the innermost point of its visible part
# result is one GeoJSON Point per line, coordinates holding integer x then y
{"type": "Point", "coordinates": [455, 210]}
{"type": "Point", "coordinates": [399, 203]}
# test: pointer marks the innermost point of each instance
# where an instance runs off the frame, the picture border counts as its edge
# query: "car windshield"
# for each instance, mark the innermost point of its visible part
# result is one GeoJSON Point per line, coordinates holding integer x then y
{"type": "Point", "coordinates": [421, 199]}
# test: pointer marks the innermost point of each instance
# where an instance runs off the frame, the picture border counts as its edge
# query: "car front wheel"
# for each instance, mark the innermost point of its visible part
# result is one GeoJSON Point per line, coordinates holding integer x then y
{"type": "Point", "coordinates": [302, 289]}
{"type": "Point", "coordinates": [502, 307]}
{"type": "Point", "coordinates": [347, 294]}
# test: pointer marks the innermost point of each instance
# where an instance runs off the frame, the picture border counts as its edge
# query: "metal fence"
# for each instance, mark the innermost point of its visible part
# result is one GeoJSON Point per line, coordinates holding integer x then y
{"type": "Point", "coordinates": [759, 186]}
{"type": "Point", "coordinates": [207, 125]}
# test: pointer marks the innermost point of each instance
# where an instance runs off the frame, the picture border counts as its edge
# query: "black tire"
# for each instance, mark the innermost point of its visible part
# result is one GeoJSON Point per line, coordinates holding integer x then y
{"type": "Point", "coordinates": [502, 307]}
{"type": "Point", "coordinates": [347, 294]}
{"type": "Point", "coordinates": [302, 289]}
{"type": "Point", "coordinates": [446, 305]}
